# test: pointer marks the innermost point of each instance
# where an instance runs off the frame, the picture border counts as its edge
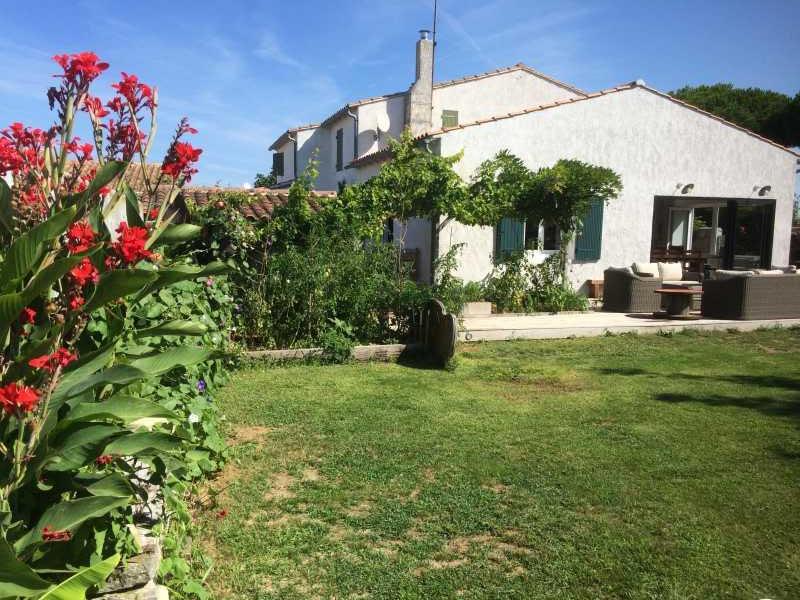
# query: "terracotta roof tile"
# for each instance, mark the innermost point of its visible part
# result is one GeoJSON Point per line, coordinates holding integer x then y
{"type": "Point", "coordinates": [262, 200]}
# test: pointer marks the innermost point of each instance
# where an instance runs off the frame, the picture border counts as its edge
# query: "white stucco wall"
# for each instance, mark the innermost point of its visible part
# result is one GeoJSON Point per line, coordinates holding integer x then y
{"type": "Point", "coordinates": [654, 144]}
{"type": "Point", "coordinates": [495, 95]}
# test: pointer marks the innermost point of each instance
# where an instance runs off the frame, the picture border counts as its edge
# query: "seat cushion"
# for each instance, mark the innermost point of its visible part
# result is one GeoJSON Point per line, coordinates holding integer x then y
{"type": "Point", "coordinates": [670, 271]}
{"type": "Point", "coordinates": [645, 269]}
{"type": "Point", "coordinates": [682, 284]}
{"type": "Point", "coordinates": [727, 274]}
{"type": "Point", "coordinates": [769, 272]}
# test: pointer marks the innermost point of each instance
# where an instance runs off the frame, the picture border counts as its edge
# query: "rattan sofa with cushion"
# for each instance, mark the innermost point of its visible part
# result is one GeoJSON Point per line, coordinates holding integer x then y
{"type": "Point", "coordinates": [751, 295]}
{"type": "Point", "coordinates": [626, 291]}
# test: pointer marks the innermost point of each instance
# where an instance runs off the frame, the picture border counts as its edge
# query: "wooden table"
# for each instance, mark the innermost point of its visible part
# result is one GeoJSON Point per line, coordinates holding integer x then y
{"type": "Point", "coordinates": [679, 302]}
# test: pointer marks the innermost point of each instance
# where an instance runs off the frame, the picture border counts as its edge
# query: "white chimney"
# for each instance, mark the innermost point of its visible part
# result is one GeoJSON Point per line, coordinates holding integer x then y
{"type": "Point", "coordinates": [419, 105]}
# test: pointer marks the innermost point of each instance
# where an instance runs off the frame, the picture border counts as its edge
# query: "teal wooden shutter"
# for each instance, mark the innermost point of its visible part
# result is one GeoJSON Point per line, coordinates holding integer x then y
{"type": "Point", "coordinates": [510, 237]}
{"type": "Point", "coordinates": [589, 241]}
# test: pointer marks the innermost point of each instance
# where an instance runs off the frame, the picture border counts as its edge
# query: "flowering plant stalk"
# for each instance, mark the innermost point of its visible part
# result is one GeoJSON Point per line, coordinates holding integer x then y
{"type": "Point", "coordinates": [69, 432]}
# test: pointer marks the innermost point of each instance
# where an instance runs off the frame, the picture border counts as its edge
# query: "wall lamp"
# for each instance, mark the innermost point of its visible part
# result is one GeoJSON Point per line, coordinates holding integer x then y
{"type": "Point", "coordinates": [763, 191]}
{"type": "Point", "coordinates": [687, 188]}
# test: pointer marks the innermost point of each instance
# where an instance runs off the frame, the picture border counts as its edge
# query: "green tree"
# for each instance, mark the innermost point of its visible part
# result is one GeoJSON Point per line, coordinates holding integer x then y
{"type": "Point", "coordinates": [771, 114]}
{"type": "Point", "coordinates": [262, 180]}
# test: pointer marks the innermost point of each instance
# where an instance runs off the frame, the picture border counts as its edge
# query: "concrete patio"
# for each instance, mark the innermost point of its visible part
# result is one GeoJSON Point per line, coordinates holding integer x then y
{"type": "Point", "coordinates": [593, 323]}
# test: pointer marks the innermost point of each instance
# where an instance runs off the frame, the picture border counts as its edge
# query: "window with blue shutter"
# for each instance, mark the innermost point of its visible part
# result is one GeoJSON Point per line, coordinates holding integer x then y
{"type": "Point", "coordinates": [588, 241]}
{"type": "Point", "coordinates": [510, 237]}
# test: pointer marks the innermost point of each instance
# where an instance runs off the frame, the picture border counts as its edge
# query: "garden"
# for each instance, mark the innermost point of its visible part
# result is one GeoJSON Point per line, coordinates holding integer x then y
{"type": "Point", "coordinates": [611, 467]}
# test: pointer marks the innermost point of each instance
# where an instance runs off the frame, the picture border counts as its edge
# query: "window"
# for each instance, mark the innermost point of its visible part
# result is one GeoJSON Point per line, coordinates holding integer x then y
{"type": "Point", "coordinates": [588, 243]}
{"type": "Point", "coordinates": [449, 118]}
{"type": "Point", "coordinates": [277, 164]}
{"type": "Point", "coordinates": [339, 149]}
{"type": "Point", "coordinates": [510, 237]}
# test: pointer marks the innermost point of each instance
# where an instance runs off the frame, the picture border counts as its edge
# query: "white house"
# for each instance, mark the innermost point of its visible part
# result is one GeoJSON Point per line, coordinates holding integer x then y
{"type": "Point", "coordinates": [691, 180]}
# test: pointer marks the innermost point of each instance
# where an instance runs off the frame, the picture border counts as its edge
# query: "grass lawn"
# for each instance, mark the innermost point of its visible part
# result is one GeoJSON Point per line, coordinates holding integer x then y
{"type": "Point", "coordinates": [615, 467]}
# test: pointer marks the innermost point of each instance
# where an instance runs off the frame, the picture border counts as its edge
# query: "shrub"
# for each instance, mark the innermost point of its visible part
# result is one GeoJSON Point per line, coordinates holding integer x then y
{"type": "Point", "coordinates": [85, 421]}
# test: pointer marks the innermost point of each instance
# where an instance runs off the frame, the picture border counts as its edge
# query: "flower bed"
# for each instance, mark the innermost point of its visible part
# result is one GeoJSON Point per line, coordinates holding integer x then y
{"type": "Point", "coordinates": [110, 348]}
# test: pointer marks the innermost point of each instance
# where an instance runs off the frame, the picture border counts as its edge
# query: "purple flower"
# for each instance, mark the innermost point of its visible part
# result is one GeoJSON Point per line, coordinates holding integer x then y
{"type": "Point", "coordinates": [201, 386]}
{"type": "Point", "coordinates": [209, 282]}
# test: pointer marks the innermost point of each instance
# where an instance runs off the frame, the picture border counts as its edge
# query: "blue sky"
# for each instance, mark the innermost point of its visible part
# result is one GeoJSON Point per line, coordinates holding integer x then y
{"type": "Point", "coordinates": [243, 71]}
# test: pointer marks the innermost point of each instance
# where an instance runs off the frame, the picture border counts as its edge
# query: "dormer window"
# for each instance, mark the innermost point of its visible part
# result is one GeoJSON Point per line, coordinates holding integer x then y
{"type": "Point", "coordinates": [277, 164]}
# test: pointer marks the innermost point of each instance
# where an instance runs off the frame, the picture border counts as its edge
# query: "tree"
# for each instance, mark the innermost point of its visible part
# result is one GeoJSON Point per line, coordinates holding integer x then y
{"type": "Point", "coordinates": [771, 114]}
{"type": "Point", "coordinates": [262, 180]}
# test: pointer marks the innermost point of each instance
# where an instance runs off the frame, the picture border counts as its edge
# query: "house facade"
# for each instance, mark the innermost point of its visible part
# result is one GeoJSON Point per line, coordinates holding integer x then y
{"type": "Point", "coordinates": [691, 180]}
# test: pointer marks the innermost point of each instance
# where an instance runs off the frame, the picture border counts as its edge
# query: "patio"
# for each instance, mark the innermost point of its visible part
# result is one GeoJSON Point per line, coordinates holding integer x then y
{"type": "Point", "coordinates": [592, 324]}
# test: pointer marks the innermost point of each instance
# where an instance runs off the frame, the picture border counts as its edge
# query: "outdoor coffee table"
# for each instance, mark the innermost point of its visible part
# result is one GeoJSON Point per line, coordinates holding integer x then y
{"type": "Point", "coordinates": [679, 302]}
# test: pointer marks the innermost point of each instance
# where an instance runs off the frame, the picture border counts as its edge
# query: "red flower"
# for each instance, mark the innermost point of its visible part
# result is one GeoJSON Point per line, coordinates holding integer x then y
{"type": "Point", "coordinates": [153, 214]}
{"type": "Point", "coordinates": [80, 237]}
{"type": "Point", "coordinates": [27, 316]}
{"type": "Point", "coordinates": [51, 535]}
{"type": "Point", "coordinates": [76, 301]}
{"type": "Point", "coordinates": [104, 459]}
{"type": "Point", "coordinates": [180, 160]}
{"type": "Point", "coordinates": [130, 246]}
{"type": "Point", "coordinates": [80, 69]}
{"type": "Point", "coordinates": [84, 273]}
{"type": "Point", "coordinates": [18, 399]}
{"type": "Point", "coordinates": [134, 92]}
{"type": "Point", "coordinates": [48, 362]}
{"type": "Point", "coordinates": [94, 106]}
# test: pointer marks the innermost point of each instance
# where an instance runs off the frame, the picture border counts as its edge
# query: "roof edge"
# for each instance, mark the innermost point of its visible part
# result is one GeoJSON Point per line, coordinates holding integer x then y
{"type": "Point", "coordinates": [284, 137]}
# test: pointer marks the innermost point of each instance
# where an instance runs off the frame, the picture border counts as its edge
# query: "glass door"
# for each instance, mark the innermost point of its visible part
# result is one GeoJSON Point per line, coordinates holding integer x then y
{"type": "Point", "coordinates": [680, 220]}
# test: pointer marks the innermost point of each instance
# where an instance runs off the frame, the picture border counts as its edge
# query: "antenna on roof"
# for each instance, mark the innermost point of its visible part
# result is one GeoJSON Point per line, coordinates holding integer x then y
{"type": "Point", "coordinates": [435, 18]}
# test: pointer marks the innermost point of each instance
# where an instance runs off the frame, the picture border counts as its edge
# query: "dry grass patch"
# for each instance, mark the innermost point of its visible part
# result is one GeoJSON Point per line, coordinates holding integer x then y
{"type": "Point", "coordinates": [281, 486]}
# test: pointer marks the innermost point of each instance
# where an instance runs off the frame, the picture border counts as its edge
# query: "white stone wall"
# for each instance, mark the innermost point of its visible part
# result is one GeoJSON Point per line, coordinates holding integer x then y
{"type": "Point", "coordinates": [653, 143]}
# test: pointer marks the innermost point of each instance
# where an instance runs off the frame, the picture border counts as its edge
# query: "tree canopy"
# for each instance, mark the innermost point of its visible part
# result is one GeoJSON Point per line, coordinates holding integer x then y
{"type": "Point", "coordinates": [771, 114]}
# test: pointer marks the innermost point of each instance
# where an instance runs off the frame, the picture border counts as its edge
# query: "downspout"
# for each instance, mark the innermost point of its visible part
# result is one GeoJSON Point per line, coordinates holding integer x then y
{"type": "Point", "coordinates": [294, 155]}
{"type": "Point", "coordinates": [354, 116]}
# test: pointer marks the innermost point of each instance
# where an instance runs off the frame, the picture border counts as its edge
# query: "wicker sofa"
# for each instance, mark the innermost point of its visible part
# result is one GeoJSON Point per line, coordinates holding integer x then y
{"type": "Point", "coordinates": [752, 296]}
{"type": "Point", "coordinates": [625, 291]}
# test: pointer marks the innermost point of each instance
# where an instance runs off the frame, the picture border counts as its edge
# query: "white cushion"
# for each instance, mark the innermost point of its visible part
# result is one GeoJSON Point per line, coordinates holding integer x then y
{"type": "Point", "coordinates": [769, 272]}
{"type": "Point", "coordinates": [789, 269]}
{"type": "Point", "coordinates": [642, 268]}
{"type": "Point", "coordinates": [724, 274]}
{"type": "Point", "coordinates": [684, 283]}
{"type": "Point", "coordinates": [670, 271]}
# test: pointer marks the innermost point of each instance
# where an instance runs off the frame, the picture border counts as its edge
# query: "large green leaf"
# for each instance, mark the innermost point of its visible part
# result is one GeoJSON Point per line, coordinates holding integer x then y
{"type": "Point", "coordinates": [118, 284]}
{"type": "Point", "coordinates": [103, 177]}
{"type": "Point", "coordinates": [166, 361]}
{"type": "Point", "coordinates": [29, 247]}
{"type": "Point", "coordinates": [175, 234]}
{"type": "Point", "coordinates": [120, 407]}
{"type": "Point", "coordinates": [45, 278]}
{"type": "Point", "coordinates": [87, 365]}
{"type": "Point", "coordinates": [6, 213]}
{"type": "Point", "coordinates": [78, 444]}
{"type": "Point", "coordinates": [176, 327]}
{"type": "Point", "coordinates": [11, 306]}
{"type": "Point", "coordinates": [182, 273]}
{"type": "Point", "coordinates": [68, 515]}
{"type": "Point", "coordinates": [112, 485]}
{"type": "Point", "coordinates": [16, 578]}
{"type": "Point", "coordinates": [116, 375]}
{"type": "Point", "coordinates": [132, 215]}
{"type": "Point", "coordinates": [75, 587]}
{"type": "Point", "coordinates": [143, 442]}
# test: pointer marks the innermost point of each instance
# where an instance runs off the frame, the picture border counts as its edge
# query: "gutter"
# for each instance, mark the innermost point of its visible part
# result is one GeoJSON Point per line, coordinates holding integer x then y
{"type": "Point", "coordinates": [354, 116]}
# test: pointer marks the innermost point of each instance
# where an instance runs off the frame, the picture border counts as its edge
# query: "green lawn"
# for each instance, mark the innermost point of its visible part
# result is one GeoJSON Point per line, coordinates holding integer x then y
{"type": "Point", "coordinates": [615, 467]}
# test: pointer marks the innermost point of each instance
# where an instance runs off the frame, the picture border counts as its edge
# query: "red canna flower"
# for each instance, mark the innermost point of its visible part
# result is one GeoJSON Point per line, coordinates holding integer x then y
{"type": "Point", "coordinates": [94, 106]}
{"type": "Point", "coordinates": [136, 93]}
{"type": "Point", "coordinates": [76, 301]}
{"type": "Point", "coordinates": [84, 272]}
{"type": "Point", "coordinates": [130, 246]}
{"type": "Point", "coordinates": [180, 160]}
{"type": "Point", "coordinates": [48, 362]}
{"type": "Point", "coordinates": [80, 69]}
{"type": "Point", "coordinates": [80, 237]}
{"type": "Point", "coordinates": [51, 535]}
{"type": "Point", "coordinates": [27, 316]}
{"type": "Point", "coordinates": [153, 214]}
{"type": "Point", "coordinates": [18, 399]}
{"type": "Point", "coordinates": [104, 459]}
